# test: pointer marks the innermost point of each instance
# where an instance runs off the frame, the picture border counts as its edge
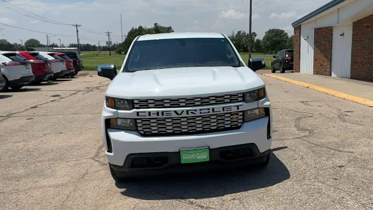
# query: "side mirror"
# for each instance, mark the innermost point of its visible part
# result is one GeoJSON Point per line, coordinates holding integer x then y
{"type": "Point", "coordinates": [256, 63]}
{"type": "Point", "coordinates": [107, 70]}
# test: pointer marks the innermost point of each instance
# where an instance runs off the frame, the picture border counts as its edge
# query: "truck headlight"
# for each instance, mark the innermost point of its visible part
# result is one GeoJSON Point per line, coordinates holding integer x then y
{"type": "Point", "coordinates": [253, 114]}
{"type": "Point", "coordinates": [117, 103]}
{"type": "Point", "coordinates": [254, 95]}
{"type": "Point", "coordinates": [123, 124]}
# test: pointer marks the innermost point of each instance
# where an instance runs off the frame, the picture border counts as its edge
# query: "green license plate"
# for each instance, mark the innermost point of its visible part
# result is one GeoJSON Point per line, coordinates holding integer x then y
{"type": "Point", "coordinates": [194, 155]}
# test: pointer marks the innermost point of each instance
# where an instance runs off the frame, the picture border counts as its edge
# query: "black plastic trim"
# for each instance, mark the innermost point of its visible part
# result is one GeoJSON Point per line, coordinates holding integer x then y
{"type": "Point", "coordinates": [108, 140]}
{"type": "Point", "coordinates": [173, 163]}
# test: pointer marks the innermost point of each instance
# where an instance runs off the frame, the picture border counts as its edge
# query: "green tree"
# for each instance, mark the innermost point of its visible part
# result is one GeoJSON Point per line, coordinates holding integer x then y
{"type": "Point", "coordinates": [30, 43]}
{"type": "Point", "coordinates": [275, 40]}
{"type": "Point", "coordinates": [5, 45]}
{"type": "Point", "coordinates": [258, 47]}
{"type": "Point", "coordinates": [134, 32]}
{"type": "Point", "coordinates": [240, 40]}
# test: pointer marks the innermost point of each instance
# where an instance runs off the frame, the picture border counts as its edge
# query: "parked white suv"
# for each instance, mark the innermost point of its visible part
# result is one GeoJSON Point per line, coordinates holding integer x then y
{"type": "Point", "coordinates": [57, 65]}
{"type": "Point", "coordinates": [16, 71]}
{"type": "Point", "coordinates": [184, 101]}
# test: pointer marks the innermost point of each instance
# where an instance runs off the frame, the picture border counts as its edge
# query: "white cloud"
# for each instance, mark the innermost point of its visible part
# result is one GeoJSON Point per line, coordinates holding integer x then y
{"type": "Point", "coordinates": [289, 30]}
{"type": "Point", "coordinates": [99, 16]}
{"type": "Point", "coordinates": [284, 15]}
{"type": "Point", "coordinates": [6, 20]}
{"type": "Point", "coordinates": [232, 14]}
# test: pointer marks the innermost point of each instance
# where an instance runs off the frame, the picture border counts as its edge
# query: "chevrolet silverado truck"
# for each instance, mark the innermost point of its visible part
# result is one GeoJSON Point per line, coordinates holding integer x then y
{"type": "Point", "coordinates": [182, 102]}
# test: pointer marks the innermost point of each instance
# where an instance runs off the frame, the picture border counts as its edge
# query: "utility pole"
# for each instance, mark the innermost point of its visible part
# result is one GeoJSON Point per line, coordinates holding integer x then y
{"type": "Point", "coordinates": [108, 43]}
{"type": "Point", "coordinates": [60, 42]}
{"type": "Point", "coordinates": [22, 47]}
{"type": "Point", "coordinates": [47, 41]}
{"type": "Point", "coordinates": [250, 35]}
{"type": "Point", "coordinates": [77, 37]}
{"type": "Point", "coordinates": [121, 26]}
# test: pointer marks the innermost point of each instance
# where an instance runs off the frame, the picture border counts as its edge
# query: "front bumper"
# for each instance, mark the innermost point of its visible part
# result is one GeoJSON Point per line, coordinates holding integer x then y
{"type": "Point", "coordinates": [120, 144]}
{"type": "Point", "coordinates": [169, 162]}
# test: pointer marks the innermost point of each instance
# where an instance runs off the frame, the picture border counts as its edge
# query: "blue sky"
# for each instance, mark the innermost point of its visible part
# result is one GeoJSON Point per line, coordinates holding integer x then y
{"type": "Point", "coordinates": [99, 16]}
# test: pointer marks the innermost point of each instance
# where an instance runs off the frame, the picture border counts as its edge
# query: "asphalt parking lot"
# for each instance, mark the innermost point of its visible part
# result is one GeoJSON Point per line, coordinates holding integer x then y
{"type": "Point", "coordinates": [52, 156]}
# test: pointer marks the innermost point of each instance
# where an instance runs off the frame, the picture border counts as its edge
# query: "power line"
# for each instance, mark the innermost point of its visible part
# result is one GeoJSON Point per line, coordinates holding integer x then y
{"type": "Point", "coordinates": [32, 30]}
{"type": "Point", "coordinates": [92, 32]}
{"type": "Point", "coordinates": [92, 40]}
{"type": "Point", "coordinates": [31, 14]}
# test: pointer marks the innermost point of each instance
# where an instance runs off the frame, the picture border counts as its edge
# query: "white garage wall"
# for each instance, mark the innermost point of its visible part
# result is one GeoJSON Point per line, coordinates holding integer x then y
{"type": "Point", "coordinates": [341, 56]}
{"type": "Point", "coordinates": [307, 46]}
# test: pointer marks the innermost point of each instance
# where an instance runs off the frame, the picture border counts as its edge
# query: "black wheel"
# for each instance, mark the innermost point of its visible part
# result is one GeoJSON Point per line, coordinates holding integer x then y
{"type": "Point", "coordinates": [282, 70]}
{"type": "Point", "coordinates": [6, 86]}
{"type": "Point", "coordinates": [273, 69]}
{"type": "Point", "coordinates": [16, 87]}
{"type": "Point", "coordinates": [118, 177]}
{"type": "Point", "coordinates": [265, 161]}
{"type": "Point", "coordinates": [36, 82]}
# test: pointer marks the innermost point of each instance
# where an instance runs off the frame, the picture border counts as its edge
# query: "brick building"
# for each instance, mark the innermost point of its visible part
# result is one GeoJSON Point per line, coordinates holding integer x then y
{"type": "Point", "coordinates": [336, 40]}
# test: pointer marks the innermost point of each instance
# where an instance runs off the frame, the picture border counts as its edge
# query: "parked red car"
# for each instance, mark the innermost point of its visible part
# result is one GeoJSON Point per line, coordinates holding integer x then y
{"type": "Point", "coordinates": [40, 68]}
{"type": "Point", "coordinates": [69, 63]}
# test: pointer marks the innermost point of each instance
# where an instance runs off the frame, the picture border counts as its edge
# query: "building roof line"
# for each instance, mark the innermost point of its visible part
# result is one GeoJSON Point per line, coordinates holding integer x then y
{"type": "Point", "coordinates": [316, 12]}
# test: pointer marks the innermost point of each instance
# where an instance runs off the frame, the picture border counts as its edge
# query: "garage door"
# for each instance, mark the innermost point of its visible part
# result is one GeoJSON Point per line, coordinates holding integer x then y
{"type": "Point", "coordinates": [307, 45]}
{"type": "Point", "coordinates": [341, 57]}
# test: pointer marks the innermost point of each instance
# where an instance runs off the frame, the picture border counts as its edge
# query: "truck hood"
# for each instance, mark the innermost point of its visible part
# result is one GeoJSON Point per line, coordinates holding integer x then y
{"type": "Point", "coordinates": [189, 81]}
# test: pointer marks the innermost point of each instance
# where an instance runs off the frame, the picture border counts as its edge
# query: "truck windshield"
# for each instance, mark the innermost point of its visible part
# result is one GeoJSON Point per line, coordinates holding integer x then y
{"type": "Point", "coordinates": [176, 53]}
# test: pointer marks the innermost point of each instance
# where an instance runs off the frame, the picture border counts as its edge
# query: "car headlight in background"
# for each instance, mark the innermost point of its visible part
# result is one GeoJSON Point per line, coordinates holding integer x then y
{"type": "Point", "coordinates": [123, 124]}
{"type": "Point", "coordinates": [120, 104]}
{"type": "Point", "coordinates": [253, 114]}
{"type": "Point", "coordinates": [254, 95]}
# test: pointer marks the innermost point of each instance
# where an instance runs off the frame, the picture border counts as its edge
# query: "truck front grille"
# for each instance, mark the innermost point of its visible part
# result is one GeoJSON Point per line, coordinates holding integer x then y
{"type": "Point", "coordinates": [189, 125]}
{"type": "Point", "coordinates": [187, 102]}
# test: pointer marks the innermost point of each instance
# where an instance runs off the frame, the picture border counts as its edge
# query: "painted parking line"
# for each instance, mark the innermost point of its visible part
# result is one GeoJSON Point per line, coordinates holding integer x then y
{"type": "Point", "coordinates": [324, 90]}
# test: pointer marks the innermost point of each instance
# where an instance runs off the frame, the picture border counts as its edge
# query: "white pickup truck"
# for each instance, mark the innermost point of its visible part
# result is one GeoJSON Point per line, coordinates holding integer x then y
{"type": "Point", "coordinates": [181, 102]}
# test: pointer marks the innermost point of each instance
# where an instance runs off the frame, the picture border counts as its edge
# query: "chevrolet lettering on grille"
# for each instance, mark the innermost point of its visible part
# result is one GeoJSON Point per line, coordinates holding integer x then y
{"type": "Point", "coordinates": [189, 112]}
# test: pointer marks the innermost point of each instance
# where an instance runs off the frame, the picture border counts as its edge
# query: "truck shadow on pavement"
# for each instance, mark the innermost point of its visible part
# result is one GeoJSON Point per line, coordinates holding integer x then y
{"type": "Point", "coordinates": [23, 89]}
{"type": "Point", "coordinates": [206, 184]}
{"type": "Point", "coordinates": [44, 84]}
{"type": "Point", "coordinates": [5, 96]}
